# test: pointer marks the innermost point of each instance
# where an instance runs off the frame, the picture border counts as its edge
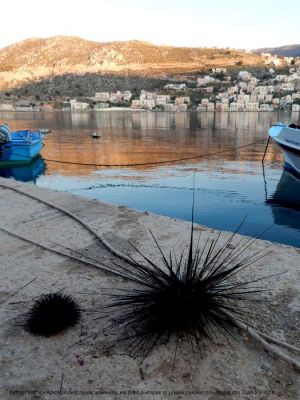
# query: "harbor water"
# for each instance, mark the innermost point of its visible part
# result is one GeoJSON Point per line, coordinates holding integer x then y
{"type": "Point", "coordinates": [147, 160]}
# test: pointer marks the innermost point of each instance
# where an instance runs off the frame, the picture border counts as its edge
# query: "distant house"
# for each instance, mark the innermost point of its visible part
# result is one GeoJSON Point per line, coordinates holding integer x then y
{"type": "Point", "coordinates": [295, 108]}
{"type": "Point", "coordinates": [49, 107]}
{"type": "Point", "coordinates": [102, 96]}
{"type": "Point", "coordinates": [265, 107]}
{"type": "Point", "coordinates": [240, 105]}
{"type": "Point", "coordinates": [218, 107]}
{"type": "Point", "coordinates": [233, 106]}
{"type": "Point", "coordinates": [219, 70]}
{"type": "Point", "coordinates": [296, 95]}
{"type": "Point", "coordinates": [269, 98]}
{"type": "Point", "coordinates": [253, 106]}
{"type": "Point", "coordinates": [136, 103]}
{"type": "Point", "coordinates": [205, 81]}
{"type": "Point", "coordinates": [224, 106]}
{"type": "Point", "coordinates": [23, 105]}
{"type": "Point", "coordinates": [282, 103]}
{"type": "Point", "coordinates": [127, 95]}
{"type": "Point", "coordinates": [100, 105]}
{"type": "Point", "coordinates": [6, 107]}
{"type": "Point", "coordinates": [145, 103]}
{"type": "Point", "coordinates": [211, 107]}
{"type": "Point", "coordinates": [78, 106]}
{"type": "Point", "coordinates": [182, 100]}
{"type": "Point", "coordinates": [202, 108]}
{"type": "Point", "coordinates": [175, 86]}
{"type": "Point", "coordinates": [148, 95]}
{"type": "Point", "coordinates": [180, 107]}
{"type": "Point", "coordinates": [168, 107]}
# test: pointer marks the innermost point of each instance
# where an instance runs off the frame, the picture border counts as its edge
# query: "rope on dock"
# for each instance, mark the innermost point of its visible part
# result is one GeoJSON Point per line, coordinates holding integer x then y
{"type": "Point", "coordinates": [62, 253]}
{"type": "Point", "coordinates": [88, 227]}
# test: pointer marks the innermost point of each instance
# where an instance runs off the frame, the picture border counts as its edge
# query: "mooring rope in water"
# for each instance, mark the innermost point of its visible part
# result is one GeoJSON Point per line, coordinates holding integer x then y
{"type": "Point", "coordinates": [265, 152]}
{"type": "Point", "coordinates": [157, 162]}
{"type": "Point", "coordinates": [150, 162]}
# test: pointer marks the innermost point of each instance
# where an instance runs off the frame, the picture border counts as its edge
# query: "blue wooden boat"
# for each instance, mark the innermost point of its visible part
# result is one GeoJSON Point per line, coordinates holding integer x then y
{"type": "Point", "coordinates": [19, 146]}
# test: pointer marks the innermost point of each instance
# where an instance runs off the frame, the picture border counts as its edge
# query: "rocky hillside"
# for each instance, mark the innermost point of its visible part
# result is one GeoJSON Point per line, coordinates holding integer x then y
{"type": "Point", "coordinates": [35, 60]}
{"type": "Point", "coordinates": [286, 51]}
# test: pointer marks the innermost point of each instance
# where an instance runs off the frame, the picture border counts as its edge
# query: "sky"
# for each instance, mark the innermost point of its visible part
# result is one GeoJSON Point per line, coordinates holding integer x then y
{"type": "Point", "coordinates": [246, 24]}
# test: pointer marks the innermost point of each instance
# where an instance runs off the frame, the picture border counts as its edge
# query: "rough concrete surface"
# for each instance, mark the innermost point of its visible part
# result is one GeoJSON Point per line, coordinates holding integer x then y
{"type": "Point", "coordinates": [33, 367]}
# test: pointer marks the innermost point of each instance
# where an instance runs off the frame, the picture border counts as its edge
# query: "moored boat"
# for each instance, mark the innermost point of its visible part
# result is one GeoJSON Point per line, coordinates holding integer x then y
{"type": "Point", "coordinates": [19, 146]}
{"type": "Point", "coordinates": [45, 130]}
{"type": "Point", "coordinates": [288, 138]}
{"type": "Point", "coordinates": [96, 135]}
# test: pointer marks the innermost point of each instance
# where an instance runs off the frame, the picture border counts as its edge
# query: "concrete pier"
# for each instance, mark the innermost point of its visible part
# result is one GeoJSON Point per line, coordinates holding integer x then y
{"type": "Point", "coordinates": [33, 367]}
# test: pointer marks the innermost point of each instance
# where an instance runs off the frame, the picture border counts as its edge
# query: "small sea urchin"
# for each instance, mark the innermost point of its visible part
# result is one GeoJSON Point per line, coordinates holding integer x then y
{"type": "Point", "coordinates": [52, 313]}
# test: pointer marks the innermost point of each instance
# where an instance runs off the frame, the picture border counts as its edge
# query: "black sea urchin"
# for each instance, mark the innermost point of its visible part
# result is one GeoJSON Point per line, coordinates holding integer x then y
{"type": "Point", "coordinates": [191, 297]}
{"type": "Point", "coordinates": [52, 313]}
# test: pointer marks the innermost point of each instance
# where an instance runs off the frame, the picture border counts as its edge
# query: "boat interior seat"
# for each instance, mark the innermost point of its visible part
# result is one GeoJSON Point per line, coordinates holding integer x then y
{"type": "Point", "coordinates": [294, 126]}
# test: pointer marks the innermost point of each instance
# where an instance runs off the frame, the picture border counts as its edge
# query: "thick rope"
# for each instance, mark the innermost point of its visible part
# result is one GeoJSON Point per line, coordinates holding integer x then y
{"type": "Point", "coordinates": [98, 236]}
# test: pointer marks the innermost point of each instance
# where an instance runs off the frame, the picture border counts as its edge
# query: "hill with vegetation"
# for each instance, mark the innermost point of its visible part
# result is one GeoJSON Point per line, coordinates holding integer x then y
{"type": "Point", "coordinates": [286, 51]}
{"type": "Point", "coordinates": [35, 60]}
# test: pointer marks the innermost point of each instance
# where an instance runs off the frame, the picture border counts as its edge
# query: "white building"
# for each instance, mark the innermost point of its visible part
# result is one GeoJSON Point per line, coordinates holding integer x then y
{"type": "Point", "coordinates": [210, 107]}
{"type": "Point", "coordinates": [265, 107]}
{"type": "Point", "coordinates": [182, 100]}
{"type": "Point", "coordinates": [127, 95]}
{"type": "Point", "coordinates": [78, 105]}
{"type": "Point", "coordinates": [180, 107]}
{"type": "Point", "coordinates": [168, 107]}
{"type": "Point", "coordinates": [253, 106]}
{"type": "Point", "coordinates": [175, 86]}
{"type": "Point", "coordinates": [205, 81]}
{"type": "Point", "coordinates": [162, 99]}
{"type": "Point", "coordinates": [233, 106]}
{"type": "Point", "coordinates": [244, 76]}
{"type": "Point", "coordinates": [295, 107]}
{"type": "Point", "coordinates": [6, 107]}
{"type": "Point", "coordinates": [102, 96]}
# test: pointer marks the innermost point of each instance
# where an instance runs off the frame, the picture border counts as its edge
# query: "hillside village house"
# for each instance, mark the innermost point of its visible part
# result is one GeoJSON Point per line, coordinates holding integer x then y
{"type": "Point", "coordinates": [102, 96]}
{"type": "Point", "coordinates": [175, 86]}
{"type": "Point", "coordinates": [295, 108]}
{"type": "Point", "coordinates": [78, 105]}
{"type": "Point", "coordinates": [6, 107]}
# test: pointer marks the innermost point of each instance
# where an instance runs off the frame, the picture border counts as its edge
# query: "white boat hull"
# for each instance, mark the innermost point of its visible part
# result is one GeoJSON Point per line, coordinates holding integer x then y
{"type": "Point", "coordinates": [289, 141]}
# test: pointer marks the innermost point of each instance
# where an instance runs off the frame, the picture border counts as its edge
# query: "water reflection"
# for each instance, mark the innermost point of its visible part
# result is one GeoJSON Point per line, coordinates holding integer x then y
{"type": "Point", "coordinates": [146, 137]}
{"type": "Point", "coordinates": [286, 196]}
{"type": "Point", "coordinates": [25, 173]}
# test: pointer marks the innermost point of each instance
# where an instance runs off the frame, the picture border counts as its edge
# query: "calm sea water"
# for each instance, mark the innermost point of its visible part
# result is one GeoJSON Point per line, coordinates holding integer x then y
{"type": "Point", "coordinates": [229, 185]}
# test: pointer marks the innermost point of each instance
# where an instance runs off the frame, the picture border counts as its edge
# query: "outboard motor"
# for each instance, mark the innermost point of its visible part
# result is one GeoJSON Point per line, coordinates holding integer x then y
{"type": "Point", "coordinates": [4, 134]}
